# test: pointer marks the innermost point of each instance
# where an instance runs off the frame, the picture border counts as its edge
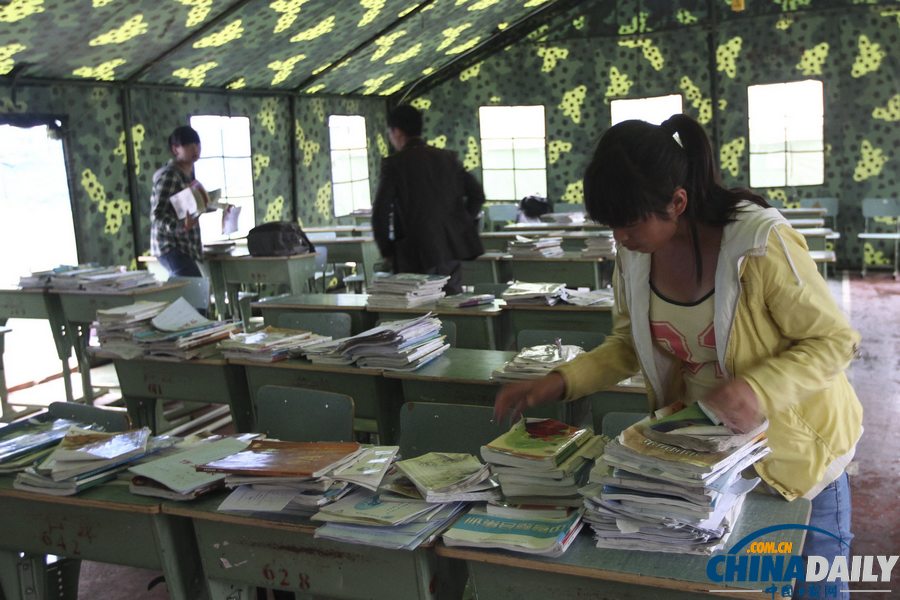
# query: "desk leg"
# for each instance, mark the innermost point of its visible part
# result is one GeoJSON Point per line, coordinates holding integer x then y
{"type": "Point", "coordinates": [63, 335]}
{"type": "Point", "coordinates": [22, 578]}
{"type": "Point", "coordinates": [217, 281]}
{"type": "Point", "coordinates": [82, 339]}
{"type": "Point", "coordinates": [370, 256]}
{"type": "Point", "coordinates": [233, 290]}
{"type": "Point", "coordinates": [5, 410]}
{"type": "Point", "coordinates": [141, 411]}
{"type": "Point", "coordinates": [177, 551]}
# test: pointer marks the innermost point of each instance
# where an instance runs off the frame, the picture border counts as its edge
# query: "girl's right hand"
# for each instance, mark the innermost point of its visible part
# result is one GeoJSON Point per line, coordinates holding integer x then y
{"type": "Point", "coordinates": [514, 398]}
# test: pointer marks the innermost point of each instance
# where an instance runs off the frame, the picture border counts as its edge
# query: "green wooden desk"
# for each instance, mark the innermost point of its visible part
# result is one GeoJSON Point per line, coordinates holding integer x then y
{"type": "Point", "coordinates": [377, 400]}
{"type": "Point", "coordinates": [572, 269]}
{"type": "Point", "coordinates": [812, 212]}
{"type": "Point", "coordinates": [36, 304]}
{"type": "Point", "coordinates": [354, 230]}
{"type": "Point", "coordinates": [105, 524]}
{"type": "Point", "coordinates": [540, 227]}
{"type": "Point", "coordinates": [79, 310]}
{"type": "Point", "coordinates": [586, 571]}
{"type": "Point", "coordinates": [480, 327]}
{"type": "Point", "coordinates": [228, 272]}
{"type": "Point", "coordinates": [806, 222]}
{"type": "Point", "coordinates": [565, 317]}
{"type": "Point", "coordinates": [361, 250]}
{"type": "Point", "coordinates": [490, 267]}
{"type": "Point", "coordinates": [462, 376]}
{"type": "Point", "coordinates": [240, 552]}
{"type": "Point", "coordinates": [144, 381]}
{"type": "Point", "coordinates": [352, 304]}
{"type": "Point", "coordinates": [817, 238]}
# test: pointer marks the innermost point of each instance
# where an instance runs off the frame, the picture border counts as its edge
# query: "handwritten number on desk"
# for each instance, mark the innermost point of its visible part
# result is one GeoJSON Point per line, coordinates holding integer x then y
{"type": "Point", "coordinates": [55, 536]}
{"type": "Point", "coordinates": [281, 577]}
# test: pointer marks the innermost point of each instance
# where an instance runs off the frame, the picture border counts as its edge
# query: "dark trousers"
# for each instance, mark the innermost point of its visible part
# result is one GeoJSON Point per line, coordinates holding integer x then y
{"type": "Point", "coordinates": [179, 264]}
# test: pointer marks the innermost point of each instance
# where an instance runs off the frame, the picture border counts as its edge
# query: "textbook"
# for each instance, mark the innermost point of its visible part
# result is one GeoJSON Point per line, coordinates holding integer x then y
{"type": "Point", "coordinates": [285, 459]}
{"type": "Point", "coordinates": [445, 473]}
{"type": "Point", "coordinates": [83, 451]}
{"type": "Point", "coordinates": [542, 536]}
{"type": "Point", "coordinates": [533, 443]}
{"type": "Point", "coordinates": [691, 428]}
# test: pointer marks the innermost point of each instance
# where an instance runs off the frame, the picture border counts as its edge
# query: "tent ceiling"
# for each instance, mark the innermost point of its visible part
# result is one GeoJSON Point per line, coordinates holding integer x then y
{"type": "Point", "coordinates": [310, 46]}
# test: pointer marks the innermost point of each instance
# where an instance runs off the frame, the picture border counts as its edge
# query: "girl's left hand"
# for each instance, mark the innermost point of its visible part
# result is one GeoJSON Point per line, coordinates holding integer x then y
{"type": "Point", "coordinates": [736, 404]}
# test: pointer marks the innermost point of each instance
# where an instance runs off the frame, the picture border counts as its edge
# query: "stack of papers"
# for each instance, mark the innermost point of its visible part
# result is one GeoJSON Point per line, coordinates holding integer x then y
{"type": "Point", "coordinates": [542, 461]}
{"type": "Point", "coordinates": [179, 332]}
{"type": "Point", "coordinates": [654, 490]}
{"type": "Point", "coordinates": [384, 520]}
{"type": "Point", "coordinates": [98, 279]}
{"type": "Point", "coordinates": [589, 297]}
{"type": "Point", "coordinates": [545, 294]}
{"type": "Point", "coordinates": [532, 535]}
{"type": "Point", "coordinates": [465, 301]}
{"type": "Point", "coordinates": [406, 290]}
{"type": "Point", "coordinates": [284, 477]}
{"type": "Point", "coordinates": [576, 218]}
{"type": "Point", "coordinates": [442, 477]}
{"type": "Point", "coordinates": [270, 344]}
{"type": "Point", "coordinates": [540, 247]}
{"type": "Point", "coordinates": [403, 345]}
{"type": "Point", "coordinates": [82, 459]}
{"type": "Point", "coordinates": [600, 246]}
{"type": "Point", "coordinates": [116, 328]}
{"type": "Point", "coordinates": [536, 361]}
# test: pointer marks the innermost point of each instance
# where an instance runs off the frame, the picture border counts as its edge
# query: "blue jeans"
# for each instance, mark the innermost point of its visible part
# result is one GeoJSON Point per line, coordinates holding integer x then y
{"type": "Point", "coordinates": [179, 264]}
{"type": "Point", "coordinates": [831, 512]}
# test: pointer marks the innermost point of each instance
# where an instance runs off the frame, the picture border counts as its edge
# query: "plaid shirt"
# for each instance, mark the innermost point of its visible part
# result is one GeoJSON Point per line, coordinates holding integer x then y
{"type": "Point", "coordinates": [167, 233]}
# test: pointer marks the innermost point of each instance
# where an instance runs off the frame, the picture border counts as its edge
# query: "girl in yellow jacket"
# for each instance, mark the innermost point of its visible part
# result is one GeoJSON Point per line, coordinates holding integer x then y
{"type": "Point", "coordinates": [717, 299]}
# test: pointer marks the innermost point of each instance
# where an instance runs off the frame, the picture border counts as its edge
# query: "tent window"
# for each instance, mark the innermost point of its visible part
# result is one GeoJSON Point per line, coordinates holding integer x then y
{"type": "Point", "coordinates": [513, 152]}
{"type": "Point", "coordinates": [654, 109]}
{"type": "Point", "coordinates": [349, 163]}
{"type": "Point", "coordinates": [225, 164]}
{"type": "Point", "coordinates": [787, 141]}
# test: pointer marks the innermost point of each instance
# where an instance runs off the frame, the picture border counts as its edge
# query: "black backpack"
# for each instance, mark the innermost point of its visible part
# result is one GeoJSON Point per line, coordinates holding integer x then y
{"type": "Point", "coordinates": [279, 238]}
{"type": "Point", "coordinates": [535, 206]}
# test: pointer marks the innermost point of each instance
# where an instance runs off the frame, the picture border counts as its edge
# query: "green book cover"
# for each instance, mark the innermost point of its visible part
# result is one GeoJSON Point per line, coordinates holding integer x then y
{"type": "Point", "coordinates": [541, 439]}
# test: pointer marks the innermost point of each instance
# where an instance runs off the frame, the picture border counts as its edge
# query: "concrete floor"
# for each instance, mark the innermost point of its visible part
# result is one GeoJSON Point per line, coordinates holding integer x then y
{"type": "Point", "coordinates": [874, 307]}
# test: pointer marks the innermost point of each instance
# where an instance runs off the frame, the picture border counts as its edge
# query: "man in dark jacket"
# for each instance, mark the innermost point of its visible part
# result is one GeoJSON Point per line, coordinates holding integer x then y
{"type": "Point", "coordinates": [425, 210]}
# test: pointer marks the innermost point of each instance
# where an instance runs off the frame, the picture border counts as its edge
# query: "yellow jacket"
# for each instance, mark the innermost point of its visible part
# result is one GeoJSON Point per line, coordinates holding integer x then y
{"type": "Point", "coordinates": [776, 326]}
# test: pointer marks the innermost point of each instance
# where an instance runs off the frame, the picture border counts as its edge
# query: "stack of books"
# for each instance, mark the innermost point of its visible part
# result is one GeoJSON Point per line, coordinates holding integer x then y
{"type": "Point", "coordinates": [599, 246]}
{"type": "Point", "coordinates": [602, 297]}
{"type": "Point", "coordinates": [535, 247]}
{"type": "Point", "coordinates": [442, 477]}
{"type": "Point", "coordinates": [465, 301]}
{"type": "Point", "coordinates": [179, 333]}
{"type": "Point", "coordinates": [116, 328]}
{"type": "Point", "coordinates": [540, 464]}
{"type": "Point", "coordinates": [118, 280]}
{"type": "Point", "coordinates": [403, 345]}
{"type": "Point", "coordinates": [91, 278]}
{"type": "Point", "coordinates": [534, 362]}
{"type": "Point", "coordinates": [406, 290]}
{"type": "Point", "coordinates": [543, 294]}
{"type": "Point", "coordinates": [84, 458]}
{"type": "Point", "coordinates": [672, 484]}
{"type": "Point", "coordinates": [273, 476]}
{"type": "Point", "coordinates": [269, 344]}
{"type": "Point", "coordinates": [24, 443]}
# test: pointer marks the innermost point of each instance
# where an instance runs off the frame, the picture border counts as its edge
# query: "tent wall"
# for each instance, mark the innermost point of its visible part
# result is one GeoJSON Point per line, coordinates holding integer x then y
{"type": "Point", "coordinates": [577, 64]}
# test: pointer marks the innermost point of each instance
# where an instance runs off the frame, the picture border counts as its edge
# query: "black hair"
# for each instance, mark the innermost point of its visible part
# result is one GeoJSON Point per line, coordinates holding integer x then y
{"type": "Point", "coordinates": [638, 166]}
{"type": "Point", "coordinates": [184, 135]}
{"type": "Point", "coordinates": [407, 119]}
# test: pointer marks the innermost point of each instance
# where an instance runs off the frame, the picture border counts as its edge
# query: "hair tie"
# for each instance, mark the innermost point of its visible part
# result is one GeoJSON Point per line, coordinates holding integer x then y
{"type": "Point", "coordinates": [677, 139]}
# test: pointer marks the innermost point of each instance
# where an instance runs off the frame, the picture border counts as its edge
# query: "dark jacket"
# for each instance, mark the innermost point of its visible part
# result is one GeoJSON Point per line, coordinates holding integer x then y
{"type": "Point", "coordinates": [435, 202]}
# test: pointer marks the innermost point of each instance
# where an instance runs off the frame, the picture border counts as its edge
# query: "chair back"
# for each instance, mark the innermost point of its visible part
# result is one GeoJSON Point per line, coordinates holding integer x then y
{"type": "Point", "coordinates": [437, 427]}
{"type": "Point", "coordinates": [110, 419]}
{"type": "Point", "coordinates": [535, 337]}
{"type": "Point", "coordinates": [615, 422]}
{"type": "Point", "coordinates": [304, 415]}
{"type": "Point", "coordinates": [499, 214]}
{"type": "Point", "coordinates": [880, 207]}
{"type": "Point", "coordinates": [335, 324]}
{"type": "Point", "coordinates": [196, 292]}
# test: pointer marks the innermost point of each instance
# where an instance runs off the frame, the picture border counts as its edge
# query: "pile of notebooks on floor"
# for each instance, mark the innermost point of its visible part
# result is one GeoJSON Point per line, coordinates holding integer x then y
{"type": "Point", "coordinates": [540, 465]}
{"type": "Point", "coordinates": [535, 247]}
{"type": "Point", "coordinates": [534, 362]}
{"type": "Point", "coordinates": [406, 290]}
{"type": "Point", "coordinates": [84, 458]}
{"type": "Point", "coordinates": [165, 330]}
{"type": "Point", "coordinates": [88, 277]}
{"type": "Point", "coordinates": [672, 484]}
{"type": "Point", "coordinates": [599, 246]}
{"type": "Point", "coordinates": [403, 345]}
{"type": "Point", "coordinates": [269, 344]}
{"type": "Point", "coordinates": [539, 294]}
